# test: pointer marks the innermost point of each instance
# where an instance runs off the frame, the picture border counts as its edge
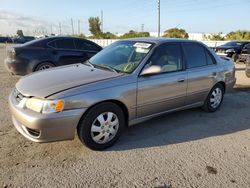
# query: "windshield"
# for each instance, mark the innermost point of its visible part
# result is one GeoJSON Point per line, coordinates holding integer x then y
{"type": "Point", "coordinates": [233, 44]}
{"type": "Point", "coordinates": [122, 56]}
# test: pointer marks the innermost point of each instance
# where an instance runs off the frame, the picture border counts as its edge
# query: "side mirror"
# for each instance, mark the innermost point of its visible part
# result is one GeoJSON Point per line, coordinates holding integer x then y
{"type": "Point", "coordinates": [154, 69]}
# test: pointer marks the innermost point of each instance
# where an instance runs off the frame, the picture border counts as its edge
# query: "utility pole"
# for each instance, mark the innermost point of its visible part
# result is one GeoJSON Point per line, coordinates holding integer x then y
{"type": "Point", "coordinates": [60, 28]}
{"type": "Point", "coordinates": [78, 27]}
{"type": "Point", "coordinates": [102, 20]}
{"type": "Point", "coordinates": [51, 29]}
{"type": "Point", "coordinates": [142, 27]}
{"type": "Point", "coordinates": [72, 25]}
{"type": "Point", "coordinates": [159, 17]}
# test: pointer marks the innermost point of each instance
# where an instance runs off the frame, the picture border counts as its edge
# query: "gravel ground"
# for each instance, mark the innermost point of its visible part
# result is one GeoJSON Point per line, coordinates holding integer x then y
{"type": "Point", "coordinates": [185, 149]}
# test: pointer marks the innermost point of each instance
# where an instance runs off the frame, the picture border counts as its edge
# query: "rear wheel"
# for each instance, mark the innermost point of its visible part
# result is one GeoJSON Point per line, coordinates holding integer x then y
{"type": "Point", "coordinates": [43, 66]}
{"type": "Point", "coordinates": [214, 98]}
{"type": "Point", "coordinates": [101, 126]}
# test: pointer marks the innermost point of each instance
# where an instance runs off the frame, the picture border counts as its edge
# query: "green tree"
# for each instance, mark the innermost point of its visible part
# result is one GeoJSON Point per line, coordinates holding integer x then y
{"type": "Point", "coordinates": [19, 33]}
{"type": "Point", "coordinates": [95, 27]}
{"type": "Point", "coordinates": [134, 34]}
{"type": "Point", "coordinates": [79, 36]}
{"type": "Point", "coordinates": [175, 33]}
{"type": "Point", "coordinates": [216, 36]}
{"type": "Point", "coordinates": [108, 35]}
{"type": "Point", "coordinates": [238, 35]}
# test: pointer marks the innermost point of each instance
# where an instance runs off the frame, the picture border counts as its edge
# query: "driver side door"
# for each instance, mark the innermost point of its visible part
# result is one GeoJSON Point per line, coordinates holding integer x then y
{"type": "Point", "coordinates": [166, 90]}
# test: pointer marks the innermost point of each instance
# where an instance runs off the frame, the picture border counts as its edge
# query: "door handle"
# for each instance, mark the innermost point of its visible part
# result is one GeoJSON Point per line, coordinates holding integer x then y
{"type": "Point", "coordinates": [181, 80]}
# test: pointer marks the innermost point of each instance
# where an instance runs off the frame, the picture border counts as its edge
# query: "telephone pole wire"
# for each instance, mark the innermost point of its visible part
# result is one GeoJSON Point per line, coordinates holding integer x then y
{"type": "Point", "coordinates": [159, 18]}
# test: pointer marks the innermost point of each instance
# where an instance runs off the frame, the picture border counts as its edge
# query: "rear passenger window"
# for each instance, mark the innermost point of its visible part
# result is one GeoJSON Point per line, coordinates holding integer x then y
{"type": "Point", "coordinates": [65, 44]}
{"type": "Point", "coordinates": [195, 55]}
{"type": "Point", "coordinates": [85, 45]}
{"type": "Point", "coordinates": [210, 59]}
{"type": "Point", "coordinates": [168, 57]}
{"type": "Point", "coordinates": [52, 44]}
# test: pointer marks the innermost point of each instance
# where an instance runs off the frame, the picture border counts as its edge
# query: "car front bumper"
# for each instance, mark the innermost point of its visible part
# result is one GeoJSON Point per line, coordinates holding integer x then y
{"type": "Point", "coordinates": [45, 127]}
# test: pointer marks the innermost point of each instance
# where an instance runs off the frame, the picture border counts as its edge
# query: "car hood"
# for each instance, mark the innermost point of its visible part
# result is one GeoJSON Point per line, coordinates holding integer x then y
{"type": "Point", "coordinates": [45, 83]}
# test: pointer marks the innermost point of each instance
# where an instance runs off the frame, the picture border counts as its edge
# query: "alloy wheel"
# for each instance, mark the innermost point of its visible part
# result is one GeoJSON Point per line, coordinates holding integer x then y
{"type": "Point", "coordinates": [45, 66]}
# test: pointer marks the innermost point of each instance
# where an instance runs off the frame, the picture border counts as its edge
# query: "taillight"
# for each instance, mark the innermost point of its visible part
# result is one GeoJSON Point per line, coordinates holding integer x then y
{"type": "Point", "coordinates": [11, 53]}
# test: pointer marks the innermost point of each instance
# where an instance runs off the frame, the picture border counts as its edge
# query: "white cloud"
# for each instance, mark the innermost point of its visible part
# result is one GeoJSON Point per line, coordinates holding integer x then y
{"type": "Point", "coordinates": [10, 22]}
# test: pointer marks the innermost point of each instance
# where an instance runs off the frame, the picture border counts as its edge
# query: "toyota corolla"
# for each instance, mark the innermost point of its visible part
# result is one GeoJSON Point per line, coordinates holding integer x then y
{"type": "Point", "coordinates": [128, 82]}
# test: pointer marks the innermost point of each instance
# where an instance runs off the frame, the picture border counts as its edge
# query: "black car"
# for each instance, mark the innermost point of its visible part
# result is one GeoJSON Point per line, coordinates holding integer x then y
{"type": "Point", "coordinates": [231, 49]}
{"type": "Point", "coordinates": [47, 53]}
{"type": "Point", "coordinates": [23, 39]}
{"type": "Point", "coordinates": [245, 54]}
{"type": "Point", "coordinates": [5, 40]}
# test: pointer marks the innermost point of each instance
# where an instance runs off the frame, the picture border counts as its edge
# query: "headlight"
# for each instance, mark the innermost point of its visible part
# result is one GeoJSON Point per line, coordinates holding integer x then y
{"type": "Point", "coordinates": [45, 106]}
{"type": "Point", "coordinates": [230, 51]}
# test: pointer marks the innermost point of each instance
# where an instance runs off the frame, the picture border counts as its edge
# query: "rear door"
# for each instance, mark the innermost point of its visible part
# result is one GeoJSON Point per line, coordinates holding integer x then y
{"type": "Point", "coordinates": [86, 49]}
{"type": "Point", "coordinates": [166, 90]}
{"type": "Point", "coordinates": [64, 51]}
{"type": "Point", "coordinates": [201, 72]}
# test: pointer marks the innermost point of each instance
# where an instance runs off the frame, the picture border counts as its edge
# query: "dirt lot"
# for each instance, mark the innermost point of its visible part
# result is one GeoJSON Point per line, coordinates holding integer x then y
{"type": "Point", "coordinates": [185, 149]}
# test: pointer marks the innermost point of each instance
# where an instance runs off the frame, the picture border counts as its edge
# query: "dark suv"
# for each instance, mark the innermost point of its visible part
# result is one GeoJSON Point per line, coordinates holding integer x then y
{"type": "Point", "coordinates": [231, 49]}
{"type": "Point", "coordinates": [47, 53]}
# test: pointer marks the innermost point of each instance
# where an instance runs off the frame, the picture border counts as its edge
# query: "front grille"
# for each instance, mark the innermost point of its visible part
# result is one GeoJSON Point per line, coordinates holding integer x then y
{"type": "Point", "coordinates": [33, 132]}
{"type": "Point", "coordinates": [17, 95]}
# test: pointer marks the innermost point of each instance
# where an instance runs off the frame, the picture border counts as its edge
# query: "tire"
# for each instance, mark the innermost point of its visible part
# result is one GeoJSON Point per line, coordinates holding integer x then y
{"type": "Point", "coordinates": [214, 98]}
{"type": "Point", "coordinates": [97, 135]}
{"type": "Point", "coordinates": [44, 66]}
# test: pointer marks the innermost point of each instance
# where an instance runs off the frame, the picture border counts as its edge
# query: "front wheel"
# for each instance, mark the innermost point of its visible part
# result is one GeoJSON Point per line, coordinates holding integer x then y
{"type": "Point", "coordinates": [214, 98]}
{"type": "Point", "coordinates": [101, 126]}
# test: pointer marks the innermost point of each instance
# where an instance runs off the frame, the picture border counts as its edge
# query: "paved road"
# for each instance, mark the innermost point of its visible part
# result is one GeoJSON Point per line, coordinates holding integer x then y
{"type": "Point", "coordinates": [185, 149]}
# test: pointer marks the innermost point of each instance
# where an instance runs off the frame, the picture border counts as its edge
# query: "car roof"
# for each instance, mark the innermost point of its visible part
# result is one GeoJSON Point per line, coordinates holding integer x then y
{"type": "Point", "coordinates": [45, 40]}
{"type": "Point", "coordinates": [159, 40]}
{"type": "Point", "coordinates": [62, 37]}
{"type": "Point", "coordinates": [239, 41]}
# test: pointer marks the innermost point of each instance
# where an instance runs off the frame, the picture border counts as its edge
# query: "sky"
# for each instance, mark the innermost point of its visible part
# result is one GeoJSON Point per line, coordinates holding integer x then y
{"type": "Point", "coordinates": [202, 16]}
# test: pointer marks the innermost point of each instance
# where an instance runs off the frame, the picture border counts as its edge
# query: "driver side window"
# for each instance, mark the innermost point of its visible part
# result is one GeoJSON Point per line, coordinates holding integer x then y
{"type": "Point", "coordinates": [168, 57]}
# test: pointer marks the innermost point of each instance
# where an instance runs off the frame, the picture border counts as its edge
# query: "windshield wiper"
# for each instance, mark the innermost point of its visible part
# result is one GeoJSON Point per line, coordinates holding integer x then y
{"type": "Point", "coordinates": [106, 67]}
{"type": "Point", "coordinates": [88, 63]}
